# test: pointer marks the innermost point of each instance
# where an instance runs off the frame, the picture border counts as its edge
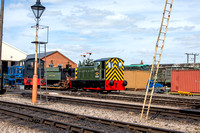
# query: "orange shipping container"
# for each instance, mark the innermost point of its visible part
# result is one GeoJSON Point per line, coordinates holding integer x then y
{"type": "Point", "coordinates": [136, 79]}
{"type": "Point", "coordinates": [185, 80]}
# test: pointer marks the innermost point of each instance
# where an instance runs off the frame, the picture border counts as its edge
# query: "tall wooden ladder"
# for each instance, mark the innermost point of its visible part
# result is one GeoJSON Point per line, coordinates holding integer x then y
{"type": "Point", "coordinates": [157, 55]}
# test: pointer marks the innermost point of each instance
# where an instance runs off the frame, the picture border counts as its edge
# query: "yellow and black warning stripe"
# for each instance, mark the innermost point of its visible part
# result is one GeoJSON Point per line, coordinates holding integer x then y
{"type": "Point", "coordinates": [113, 72]}
{"type": "Point", "coordinates": [76, 73]}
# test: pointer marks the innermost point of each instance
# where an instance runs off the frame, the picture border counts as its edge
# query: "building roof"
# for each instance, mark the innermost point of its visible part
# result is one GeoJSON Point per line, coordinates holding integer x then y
{"type": "Point", "coordinates": [136, 65]}
{"type": "Point", "coordinates": [11, 53]}
{"type": "Point", "coordinates": [14, 47]}
{"type": "Point", "coordinates": [42, 55]}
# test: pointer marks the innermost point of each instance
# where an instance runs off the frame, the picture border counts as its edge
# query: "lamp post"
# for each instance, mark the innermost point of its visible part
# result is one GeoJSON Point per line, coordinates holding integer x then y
{"type": "Point", "coordinates": [38, 9]}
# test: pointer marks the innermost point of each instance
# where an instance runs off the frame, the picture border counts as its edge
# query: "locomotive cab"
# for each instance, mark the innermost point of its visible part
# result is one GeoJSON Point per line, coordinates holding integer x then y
{"type": "Point", "coordinates": [99, 68]}
{"type": "Point", "coordinates": [29, 72]}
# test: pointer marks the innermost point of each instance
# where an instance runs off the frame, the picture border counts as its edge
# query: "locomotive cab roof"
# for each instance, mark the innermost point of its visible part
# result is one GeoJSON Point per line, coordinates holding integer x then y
{"type": "Point", "coordinates": [105, 59]}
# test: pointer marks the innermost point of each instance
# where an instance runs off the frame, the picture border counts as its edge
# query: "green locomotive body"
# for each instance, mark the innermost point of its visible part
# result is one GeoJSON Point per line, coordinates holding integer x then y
{"type": "Point", "coordinates": [106, 74]}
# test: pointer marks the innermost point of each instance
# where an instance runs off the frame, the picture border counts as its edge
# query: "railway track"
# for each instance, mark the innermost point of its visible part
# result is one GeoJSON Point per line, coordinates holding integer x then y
{"type": "Point", "coordinates": [192, 103]}
{"type": "Point", "coordinates": [78, 123]}
{"type": "Point", "coordinates": [154, 110]}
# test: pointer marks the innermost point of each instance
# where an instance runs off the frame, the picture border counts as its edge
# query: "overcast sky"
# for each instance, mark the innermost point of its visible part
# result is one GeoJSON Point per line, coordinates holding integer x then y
{"type": "Point", "coordinates": [127, 29]}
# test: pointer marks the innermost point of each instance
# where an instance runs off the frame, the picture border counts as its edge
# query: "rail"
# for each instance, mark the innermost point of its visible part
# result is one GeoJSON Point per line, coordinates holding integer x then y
{"type": "Point", "coordinates": [180, 113]}
{"type": "Point", "coordinates": [74, 128]}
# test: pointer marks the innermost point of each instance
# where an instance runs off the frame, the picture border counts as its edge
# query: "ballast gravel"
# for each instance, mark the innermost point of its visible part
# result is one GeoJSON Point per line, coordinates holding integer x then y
{"type": "Point", "coordinates": [125, 116]}
{"type": "Point", "coordinates": [25, 127]}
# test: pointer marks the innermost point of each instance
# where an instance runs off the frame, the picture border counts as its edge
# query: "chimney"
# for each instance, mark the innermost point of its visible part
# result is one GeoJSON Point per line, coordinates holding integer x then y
{"type": "Point", "coordinates": [141, 62]}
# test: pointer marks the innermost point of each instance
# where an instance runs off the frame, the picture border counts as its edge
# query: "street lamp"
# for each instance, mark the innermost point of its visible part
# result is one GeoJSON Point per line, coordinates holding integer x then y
{"type": "Point", "coordinates": [38, 9]}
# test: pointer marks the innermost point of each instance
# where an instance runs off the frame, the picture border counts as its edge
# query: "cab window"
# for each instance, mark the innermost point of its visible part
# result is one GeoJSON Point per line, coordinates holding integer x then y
{"type": "Point", "coordinates": [119, 65]}
{"type": "Point", "coordinates": [96, 64]}
{"type": "Point", "coordinates": [30, 64]}
{"type": "Point", "coordinates": [110, 64]}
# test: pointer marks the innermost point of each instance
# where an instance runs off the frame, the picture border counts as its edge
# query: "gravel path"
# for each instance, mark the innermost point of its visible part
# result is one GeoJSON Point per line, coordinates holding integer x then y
{"type": "Point", "coordinates": [169, 123]}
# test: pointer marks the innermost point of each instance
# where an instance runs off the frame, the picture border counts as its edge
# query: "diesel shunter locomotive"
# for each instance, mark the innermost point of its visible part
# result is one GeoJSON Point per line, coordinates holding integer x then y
{"type": "Point", "coordinates": [106, 74]}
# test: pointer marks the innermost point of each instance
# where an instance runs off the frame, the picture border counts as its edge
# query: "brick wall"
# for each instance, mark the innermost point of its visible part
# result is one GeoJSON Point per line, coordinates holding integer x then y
{"type": "Point", "coordinates": [58, 58]}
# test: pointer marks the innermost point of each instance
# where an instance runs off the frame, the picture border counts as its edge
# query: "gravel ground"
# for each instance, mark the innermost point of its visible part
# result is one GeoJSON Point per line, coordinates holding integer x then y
{"type": "Point", "coordinates": [17, 126]}
{"type": "Point", "coordinates": [168, 123]}
{"type": "Point", "coordinates": [7, 127]}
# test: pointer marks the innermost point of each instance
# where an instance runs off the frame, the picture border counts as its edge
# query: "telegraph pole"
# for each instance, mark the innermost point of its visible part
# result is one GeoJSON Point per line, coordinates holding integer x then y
{"type": "Point", "coordinates": [188, 57]}
{"type": "Point", "coordinates": [1, 36]}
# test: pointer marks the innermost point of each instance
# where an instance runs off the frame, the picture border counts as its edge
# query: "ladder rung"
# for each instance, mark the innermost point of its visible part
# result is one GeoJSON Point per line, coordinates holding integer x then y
{"type": "Point", "coordinates": [163, 32]}
{"type": "Point", "coordinates": [170, 5]}
{"type": "Point", "coordinates": [167, 10]}
{"type": "Point", "coordinates": [164, 25]}
{"type": "Point", "coordinates": [165, 18]}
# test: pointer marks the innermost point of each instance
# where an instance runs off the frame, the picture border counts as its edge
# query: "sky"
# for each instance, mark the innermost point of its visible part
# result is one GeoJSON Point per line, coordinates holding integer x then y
{"type": "Point", "coordinates": [127, 29]}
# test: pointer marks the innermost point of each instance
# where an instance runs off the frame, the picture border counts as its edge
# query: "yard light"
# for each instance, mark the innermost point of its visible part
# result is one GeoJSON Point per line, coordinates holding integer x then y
{"type": "Point", "coordinates": [38, 9]}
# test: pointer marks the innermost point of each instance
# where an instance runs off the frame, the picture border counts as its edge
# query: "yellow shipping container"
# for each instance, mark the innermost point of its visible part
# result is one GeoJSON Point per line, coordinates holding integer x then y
{"type": "Point", "coordinates": [137, 80]}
